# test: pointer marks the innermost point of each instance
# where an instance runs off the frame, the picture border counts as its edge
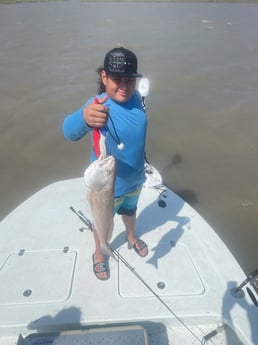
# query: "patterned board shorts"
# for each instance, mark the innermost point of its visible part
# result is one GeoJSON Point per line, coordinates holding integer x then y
{"type": "Point", "coordinates": [127, 204]}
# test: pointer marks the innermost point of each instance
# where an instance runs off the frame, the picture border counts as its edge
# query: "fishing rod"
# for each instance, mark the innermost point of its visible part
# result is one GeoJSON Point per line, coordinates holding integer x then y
{"type": "Point", "coordinates": [87, 222]}
{"type": "Point", "coordinates": [143, 88]}
{"type": "Point", "coordinates": [139, 277]}
{"type": "Point", "coordinates": [83, 218]}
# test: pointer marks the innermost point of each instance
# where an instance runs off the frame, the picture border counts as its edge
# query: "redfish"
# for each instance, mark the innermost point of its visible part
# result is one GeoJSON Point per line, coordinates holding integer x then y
{"type": "Point", "coordinates": [100, 179]}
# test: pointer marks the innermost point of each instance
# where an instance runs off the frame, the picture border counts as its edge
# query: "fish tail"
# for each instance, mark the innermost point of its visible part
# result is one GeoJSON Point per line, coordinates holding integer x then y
{"type": "Point", "coordinates": [107, 251]}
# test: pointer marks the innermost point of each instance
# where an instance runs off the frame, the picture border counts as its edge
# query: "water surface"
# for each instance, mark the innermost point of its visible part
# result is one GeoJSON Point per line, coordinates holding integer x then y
{"type": "Point", "coordinates": [202, 62]}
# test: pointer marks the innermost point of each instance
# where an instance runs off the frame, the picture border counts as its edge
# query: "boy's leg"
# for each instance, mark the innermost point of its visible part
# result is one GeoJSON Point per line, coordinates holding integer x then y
{"type": "Point", "coordinates": [129, 222]}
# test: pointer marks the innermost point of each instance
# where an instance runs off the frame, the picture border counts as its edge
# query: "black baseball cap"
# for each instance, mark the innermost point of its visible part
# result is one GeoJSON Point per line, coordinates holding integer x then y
{"type": "Point", "coordinates": [121, 62]}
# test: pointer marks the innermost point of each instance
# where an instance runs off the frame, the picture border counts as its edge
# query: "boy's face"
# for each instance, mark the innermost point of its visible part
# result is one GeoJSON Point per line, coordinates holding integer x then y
{"type": "Point", "coordinates": [120, 89]}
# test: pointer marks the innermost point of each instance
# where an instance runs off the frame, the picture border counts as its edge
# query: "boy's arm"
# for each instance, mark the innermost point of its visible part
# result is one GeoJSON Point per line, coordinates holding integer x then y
{"type": "Point", "coordinates": [79, 123]}
{"type": "Point", "coordinates": [74, 125]}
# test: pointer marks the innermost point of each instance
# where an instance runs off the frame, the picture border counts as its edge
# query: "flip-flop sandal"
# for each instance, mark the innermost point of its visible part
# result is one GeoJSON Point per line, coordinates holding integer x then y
{"type": "Point", "coordinates": [100, 267]}
{"type": "Point", "coordinates": [138, 246]}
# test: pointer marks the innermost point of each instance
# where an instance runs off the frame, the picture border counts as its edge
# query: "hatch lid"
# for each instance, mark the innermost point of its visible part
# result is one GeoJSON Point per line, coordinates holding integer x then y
{"type": "Point", "coordinates": [37, 276]}
{"type": "Point", "coordinates": [170, 271]}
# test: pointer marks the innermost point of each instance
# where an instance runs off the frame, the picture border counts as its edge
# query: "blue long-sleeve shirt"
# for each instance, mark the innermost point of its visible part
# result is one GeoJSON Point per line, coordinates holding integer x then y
{"type": "Point", "coordinates": [127, 123]}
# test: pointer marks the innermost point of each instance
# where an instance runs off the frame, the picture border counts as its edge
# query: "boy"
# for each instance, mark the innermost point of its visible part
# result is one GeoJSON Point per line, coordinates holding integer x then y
{"type": "Point", "coordinates": [119, 110]}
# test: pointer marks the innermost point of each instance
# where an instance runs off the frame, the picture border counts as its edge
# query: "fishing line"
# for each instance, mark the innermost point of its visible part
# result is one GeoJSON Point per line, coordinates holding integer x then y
{"type": "Point", "coordinates": [126, 263]}
{"type": "Point", "coordinates": [116, 137]}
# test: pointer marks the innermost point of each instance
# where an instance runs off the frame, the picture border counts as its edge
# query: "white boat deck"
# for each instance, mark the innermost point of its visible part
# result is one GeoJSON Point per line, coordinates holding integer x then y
{"type": "Point", "coordinates": [47, 283]}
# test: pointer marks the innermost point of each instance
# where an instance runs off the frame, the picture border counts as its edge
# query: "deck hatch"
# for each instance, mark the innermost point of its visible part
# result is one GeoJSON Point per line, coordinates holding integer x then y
{"type": "Point", "coordinates": [37, 277]}
{"type": "Point", "coordinates": [169, 271]}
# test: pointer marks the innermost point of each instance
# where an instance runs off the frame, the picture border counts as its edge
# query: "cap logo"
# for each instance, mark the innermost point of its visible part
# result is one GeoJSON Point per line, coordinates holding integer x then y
{"type": "Point", "coordinates": [120, 61]}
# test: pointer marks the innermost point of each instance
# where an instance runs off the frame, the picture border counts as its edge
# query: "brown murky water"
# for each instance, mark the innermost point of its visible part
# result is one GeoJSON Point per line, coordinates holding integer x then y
{"type": "Point", "coordinates": [202, 62]}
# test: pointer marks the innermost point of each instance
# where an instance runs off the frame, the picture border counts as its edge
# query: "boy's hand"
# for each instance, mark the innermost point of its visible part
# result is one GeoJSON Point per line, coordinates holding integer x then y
{"type": "Point", "coordinates": [96, 114]}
